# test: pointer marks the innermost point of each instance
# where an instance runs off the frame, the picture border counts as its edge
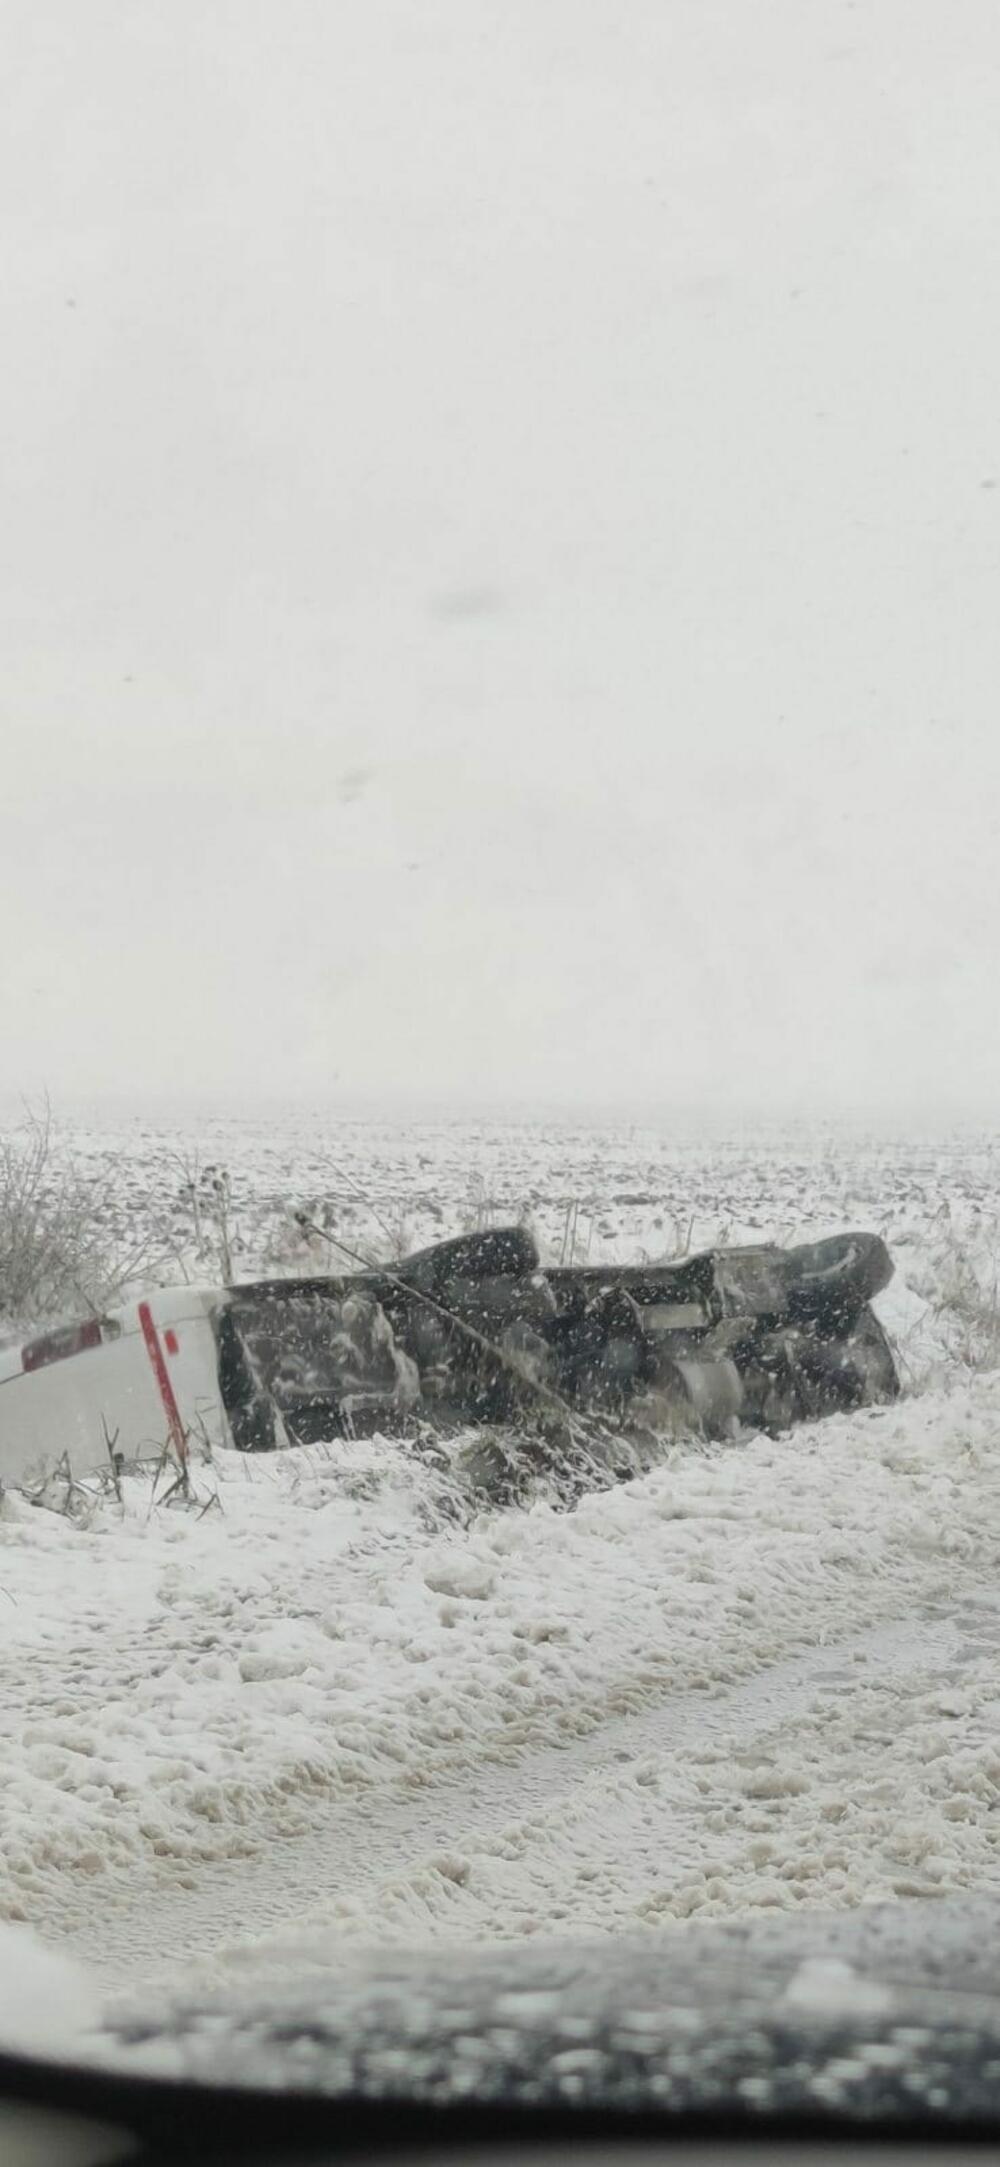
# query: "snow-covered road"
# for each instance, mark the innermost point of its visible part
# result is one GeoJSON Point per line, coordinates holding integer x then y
{"type": "Point", "coordinates": [756, 1797]}
{"type": "Point", "coordinates": [769, 1676]}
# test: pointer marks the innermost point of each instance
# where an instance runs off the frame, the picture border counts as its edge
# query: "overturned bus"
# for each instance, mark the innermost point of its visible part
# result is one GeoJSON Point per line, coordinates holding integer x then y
{"type": "Point", "coordinates": [472, 1331]}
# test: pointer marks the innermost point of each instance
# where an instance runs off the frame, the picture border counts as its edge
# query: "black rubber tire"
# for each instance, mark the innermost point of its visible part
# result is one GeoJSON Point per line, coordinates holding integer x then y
{"type": "Point", "coordinates": [829, 1282]}
{"type": "Point", "coordinates": [500, 1252]}
{"type": "Point", "coordinates": [858, 1370]}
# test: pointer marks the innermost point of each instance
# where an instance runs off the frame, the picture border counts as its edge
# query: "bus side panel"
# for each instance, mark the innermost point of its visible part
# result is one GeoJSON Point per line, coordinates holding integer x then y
{"type": "Point", "coordinates": [191, 1359]}
{"type": "Point", "coordinates": [63, 1409]}
{"type": "Point", "coordinates": [110, 1392]}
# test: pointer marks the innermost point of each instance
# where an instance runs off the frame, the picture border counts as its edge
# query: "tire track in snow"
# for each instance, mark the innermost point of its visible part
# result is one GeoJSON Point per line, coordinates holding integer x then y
{"type": "Point", "coordinates": [606, 1832]}
{"type": "Point", "coordinates": [445, 1720]}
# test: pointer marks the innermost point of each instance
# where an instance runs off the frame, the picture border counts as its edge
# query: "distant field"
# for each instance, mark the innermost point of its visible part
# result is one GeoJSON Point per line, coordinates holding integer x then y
{"type": "Point", "coordinates": [604, 1194]}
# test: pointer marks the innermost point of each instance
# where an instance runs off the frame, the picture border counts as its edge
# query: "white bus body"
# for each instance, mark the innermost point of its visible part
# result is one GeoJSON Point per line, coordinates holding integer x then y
{"type": "Point", "coordinates": [132, 1382]}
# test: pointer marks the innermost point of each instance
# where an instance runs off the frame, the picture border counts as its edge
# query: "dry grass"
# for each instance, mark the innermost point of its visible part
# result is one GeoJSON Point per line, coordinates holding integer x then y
{"type": "Point", "coordinates": [965, 1298]}
{"type": "Point", "coordinates": [56, 1260]}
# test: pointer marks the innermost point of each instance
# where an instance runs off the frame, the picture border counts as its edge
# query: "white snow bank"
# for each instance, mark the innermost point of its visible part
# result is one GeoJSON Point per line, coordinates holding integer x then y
{"type": "Point", "coordinates": [48, 2004]}
{"type": "Point", "coordinates": [180, 1687]}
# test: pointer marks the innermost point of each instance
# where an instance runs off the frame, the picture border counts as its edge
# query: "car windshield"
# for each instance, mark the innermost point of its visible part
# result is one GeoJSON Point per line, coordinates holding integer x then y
{"type": "Point", "coordinates": [499, 1217]}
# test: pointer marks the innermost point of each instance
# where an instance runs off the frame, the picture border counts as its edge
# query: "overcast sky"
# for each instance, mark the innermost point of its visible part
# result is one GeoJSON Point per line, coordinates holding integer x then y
{"type": "Point", "coordinates": [501, 551]}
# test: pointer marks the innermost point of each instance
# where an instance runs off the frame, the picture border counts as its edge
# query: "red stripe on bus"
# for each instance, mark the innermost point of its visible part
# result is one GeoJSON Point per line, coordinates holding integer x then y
{"type": "Point", "coordinates": [164, 1386]}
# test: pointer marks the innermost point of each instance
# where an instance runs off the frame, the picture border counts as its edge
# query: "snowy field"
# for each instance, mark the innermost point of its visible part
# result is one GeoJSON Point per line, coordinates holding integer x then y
{"type": "Point", "coordinates": [627, 1192]}
{"type": "Point", "coordinates": [341, 1699]}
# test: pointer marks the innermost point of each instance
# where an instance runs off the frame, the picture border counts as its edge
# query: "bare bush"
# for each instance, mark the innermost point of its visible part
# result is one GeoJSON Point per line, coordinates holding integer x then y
{"type": "Point", "coordinates": [958, 1275]}
{"type": "Point", "coordinates": [55, 1258]}
{"type": "Point", "coordinates": [967, 1310]}
{"type": "Point", "coordinates": [200, 1231]}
